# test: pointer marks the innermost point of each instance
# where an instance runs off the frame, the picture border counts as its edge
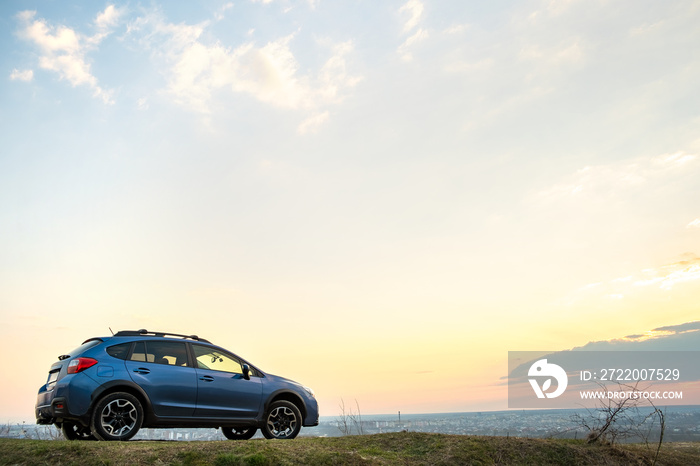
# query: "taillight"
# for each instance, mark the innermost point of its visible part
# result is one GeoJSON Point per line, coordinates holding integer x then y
{"type": "Point", "coordinates": [80, 364]}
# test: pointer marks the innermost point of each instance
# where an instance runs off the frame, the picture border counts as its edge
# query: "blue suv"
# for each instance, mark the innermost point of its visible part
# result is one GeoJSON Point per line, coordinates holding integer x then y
{"type": "Point", "coordinates": [110, 387]}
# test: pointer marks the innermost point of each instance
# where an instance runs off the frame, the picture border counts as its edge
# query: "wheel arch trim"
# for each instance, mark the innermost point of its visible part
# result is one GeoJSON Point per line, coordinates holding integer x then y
{"type": "Point", "coordinates": [128, 387]}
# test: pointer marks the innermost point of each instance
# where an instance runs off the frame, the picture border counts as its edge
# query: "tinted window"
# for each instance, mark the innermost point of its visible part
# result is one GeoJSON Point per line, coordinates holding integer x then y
{"type": "Point", "coordinates": [213, 359]}
{"type": "Point", "coordinates": [140, 354]}
{"type": "Point", "coordinates": [171, 353]}
{"type": "Point", "coordinates": [85, 346]}
{"type": "Point", "coordinates": [120, 351]}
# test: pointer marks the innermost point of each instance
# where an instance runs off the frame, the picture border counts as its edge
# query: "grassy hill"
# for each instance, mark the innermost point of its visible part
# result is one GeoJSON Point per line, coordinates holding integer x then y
{"type": "Point", "coordinates": [398, 448]}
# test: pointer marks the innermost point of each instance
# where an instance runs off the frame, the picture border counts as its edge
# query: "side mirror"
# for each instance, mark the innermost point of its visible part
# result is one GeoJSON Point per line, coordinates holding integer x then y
{"type": "Point", "coordinates": [246, 372]}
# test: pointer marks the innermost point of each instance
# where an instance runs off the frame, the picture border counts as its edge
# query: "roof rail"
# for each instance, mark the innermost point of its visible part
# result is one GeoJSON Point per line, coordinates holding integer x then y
{"type": "Point", "coordinates": [145, 333]}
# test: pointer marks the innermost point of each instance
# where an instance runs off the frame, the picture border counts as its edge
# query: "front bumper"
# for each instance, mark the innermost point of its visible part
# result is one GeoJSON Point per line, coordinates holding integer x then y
{"type": "Point", "coordinates": [311, 418]}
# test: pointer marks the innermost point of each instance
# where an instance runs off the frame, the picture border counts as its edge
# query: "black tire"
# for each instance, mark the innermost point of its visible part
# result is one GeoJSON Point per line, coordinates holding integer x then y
{"type": "Point", "coordinates": [117, 416]}
{"type": "Point", "coordinates": [73, 431]}
{"type": "Point", "coordinates": [239, 433]}
{"type": "Point", "coordinates": [282, 421]}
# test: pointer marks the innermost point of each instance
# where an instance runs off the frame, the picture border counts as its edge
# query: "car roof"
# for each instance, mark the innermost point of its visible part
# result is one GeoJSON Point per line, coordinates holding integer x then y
{"type": "Point", "coordinates": [145, 333]}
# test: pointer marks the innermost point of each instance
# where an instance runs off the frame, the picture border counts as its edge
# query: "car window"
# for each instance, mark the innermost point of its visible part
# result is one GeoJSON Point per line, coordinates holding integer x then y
{"type": "Point", "coordinates": [120, 351]}
{"type": "Point", "coordinates": [213, 359]}
{"type": "Point", "coordinates": [170, 353]}
{"type": "Point", "coordinates": [85, 346]}
{"type": "Point", "coordinates": [140, 354]}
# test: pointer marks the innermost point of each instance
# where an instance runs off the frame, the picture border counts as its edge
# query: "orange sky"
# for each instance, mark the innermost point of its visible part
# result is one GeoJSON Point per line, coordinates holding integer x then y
{"type": "Point", "coordinates": [378, 201]}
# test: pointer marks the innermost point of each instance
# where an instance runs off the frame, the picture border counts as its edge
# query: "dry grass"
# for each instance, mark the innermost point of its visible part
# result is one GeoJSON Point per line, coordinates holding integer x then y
{"type": "Point", "coordinates": [398, 448]}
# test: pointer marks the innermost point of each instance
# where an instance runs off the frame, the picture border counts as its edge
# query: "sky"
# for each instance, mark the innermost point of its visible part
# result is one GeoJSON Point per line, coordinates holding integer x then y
{"type": "Point", "coordinates": [376, 199]}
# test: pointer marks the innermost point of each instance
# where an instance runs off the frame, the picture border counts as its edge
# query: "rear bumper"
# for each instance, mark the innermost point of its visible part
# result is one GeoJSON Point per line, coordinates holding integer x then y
{"type": "Point", "coordinates": [53, 412]}
{"type": "Point", "coordinates": [69, 399]}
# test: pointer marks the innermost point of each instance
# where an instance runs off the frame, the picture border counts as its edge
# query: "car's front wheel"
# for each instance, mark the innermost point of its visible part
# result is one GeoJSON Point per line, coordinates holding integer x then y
{"type": "Point", "coordinates": [282, 420]}
{"type": "Point", "coordinates": [117, 416]}
{"type": "Point", "coordinates": [238, 433]}
{"type": "Point", "coordinates": [76, 432]}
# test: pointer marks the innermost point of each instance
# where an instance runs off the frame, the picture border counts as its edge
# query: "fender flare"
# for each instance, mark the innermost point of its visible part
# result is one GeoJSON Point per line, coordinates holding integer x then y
{"type": "Point", "coordinates": [127, 386]}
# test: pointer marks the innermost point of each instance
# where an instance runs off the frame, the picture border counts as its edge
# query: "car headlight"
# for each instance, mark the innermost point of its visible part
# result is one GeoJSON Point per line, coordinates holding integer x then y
{"type": "Point", "coordinates": [310, 392]}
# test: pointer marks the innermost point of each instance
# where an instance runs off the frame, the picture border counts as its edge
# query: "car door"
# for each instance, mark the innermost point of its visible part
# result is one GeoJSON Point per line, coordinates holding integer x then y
{"type": "Point", "coordinates": [162, 369]}
{"type": "Point", "coordinates": [222, 391]}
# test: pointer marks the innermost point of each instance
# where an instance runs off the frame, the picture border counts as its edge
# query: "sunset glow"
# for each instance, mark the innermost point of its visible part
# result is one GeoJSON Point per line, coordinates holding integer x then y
{"type": "Point", "coordinates": [376, 199]}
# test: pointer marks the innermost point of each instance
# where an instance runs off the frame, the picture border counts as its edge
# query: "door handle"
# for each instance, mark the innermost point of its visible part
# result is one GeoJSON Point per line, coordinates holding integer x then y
{"type": "Point", "coordinates": [207, 378]}
{"type": "Point", "coordinates": [142, 370]}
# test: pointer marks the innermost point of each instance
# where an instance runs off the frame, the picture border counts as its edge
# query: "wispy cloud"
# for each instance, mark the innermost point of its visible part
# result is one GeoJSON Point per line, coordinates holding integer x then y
{"type": "Point", "coordinates": [312, 123]}
{"type": "Point", "coordinates": [553, 9]}
{"type": "Point", "coordinates": [63, 49]}
{"type": "Point", "coordinates": [602, 179]}
{"type": "Point", "coordinates": [108, 18]}
{"type": "Point", "coordinates": [270, 73]}
{"type": "Point", "coordinates": [21, 75]}
{"type": "Point", "coordinates": [412, 11]}
{"type": "Point", "coordinates": [312, 3]}
{"type": "Point", "coordinates": [663, 334]}
{"type": "Point", "coordinates": [568, 53]}
{"type": "Point", "coordinates": [669, 276]}
{"type": "Point", "coordinates": [694, 224]}
{"type": "Point", "coordinates": [663, 278]}
{"type": "Point", "coordinates": [219, 15]}
{"type": "Point", "coordinates": [405, 48]}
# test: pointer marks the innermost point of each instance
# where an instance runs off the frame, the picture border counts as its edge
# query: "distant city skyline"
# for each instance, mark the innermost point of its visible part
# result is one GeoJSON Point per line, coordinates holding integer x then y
{"type": "Point", "coordinates": [379, 200]}
{"type": "Point", "coordinates": [681, 425]}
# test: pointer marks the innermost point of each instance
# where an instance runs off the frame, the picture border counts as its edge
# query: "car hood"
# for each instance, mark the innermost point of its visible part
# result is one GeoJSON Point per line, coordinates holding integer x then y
{"type": "Point", "coordinates": [279, 378]}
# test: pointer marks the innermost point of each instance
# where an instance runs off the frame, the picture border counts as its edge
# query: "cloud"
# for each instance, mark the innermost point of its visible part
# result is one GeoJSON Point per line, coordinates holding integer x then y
{"type": "Point", "coordinates": [639, 349]}
{"type": "Point", "coordinates": [663, 278]}
{"type": "Point", "coordinates": [312, 123]}
{"type": "Point", "coordinates": [553, 9]}
{"type": "Point", "coordinates": [649, 361]}
{"type": "Point", "coordinates": [219, 15]}
{"type": "Point", "coordinates": [404, 49]}
{"type": "Point", "coordinates": [601, 179]}
{"type": "Point", "coordinates": [414, 10]}
{"type": "Point", "coordinates": [457, 29]}
{"type": "Point", "coordinates": [63, 50]}
{"type": "Point", "coordinates": [681, 328]}
{"type": "Point", "coordinates": [312, 3]}
{"type": "Point", "coordinates": [269, 73]}
{"type": "Point", "coordinates": [694, 224]}
{"type": "Point", "coordinates": [553, 55]}
{"type": "Point", "coordinates": [108, 18]}
{"type": "Point", "coordinates": [21, 75]}
{"type": "Point", "coordinates": [680, 337]}
{"type": "Point", "coordinates": [669, 276]}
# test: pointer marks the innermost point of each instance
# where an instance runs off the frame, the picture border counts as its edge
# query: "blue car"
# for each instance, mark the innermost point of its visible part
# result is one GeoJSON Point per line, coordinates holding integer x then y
{"type": "Point", "coordinates": [110, 387]}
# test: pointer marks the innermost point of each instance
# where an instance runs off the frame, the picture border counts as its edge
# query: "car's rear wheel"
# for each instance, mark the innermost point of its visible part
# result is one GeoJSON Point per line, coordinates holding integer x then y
{"type": "Point", "coordinates": [238, 433]}
{"type": "Point", "coordinates": [282, 421]}
{"type": "Point", "coordinates": [73, 431]}
{"type": "Point", "coordinates": [117, 416]}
